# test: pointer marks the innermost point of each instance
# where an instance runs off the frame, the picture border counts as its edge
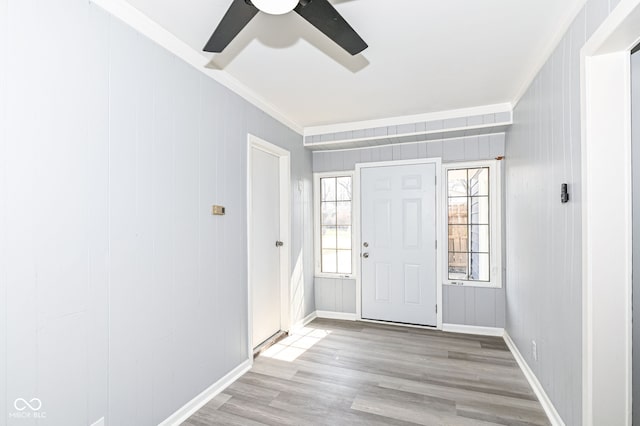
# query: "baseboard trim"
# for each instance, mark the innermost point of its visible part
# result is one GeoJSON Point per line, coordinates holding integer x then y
{"type": "Point", "coordinates": [473, 329]}
{"type": "Point", "coordinates": [182, 414]}
{"type": "Point", "coordinates": [304, 321]}
{"type": "Point", "coordinates": [544, 399]}
{"type": "Point", "coordinates": [336, 315]}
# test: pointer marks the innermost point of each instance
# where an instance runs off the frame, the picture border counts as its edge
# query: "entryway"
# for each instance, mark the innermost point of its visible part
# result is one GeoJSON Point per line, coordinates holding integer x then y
{"type": "Point", "coordinates": [269, 253]}
{"type": "Point", "coordinates": [398, 214]}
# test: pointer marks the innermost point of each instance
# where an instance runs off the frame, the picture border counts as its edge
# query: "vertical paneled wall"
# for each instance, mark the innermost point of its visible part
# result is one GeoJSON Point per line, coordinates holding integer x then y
{"type": "Point", "coordinates": [335, 295]}
{"type": "Point", "coordinates": [121, 295]}
{"type": "Point", "coordinates": [544, 299]}
{"type": "Point", "coordinates": [460, 149]}
{"type": "Point", "coordinates": [461, 305]}
{"type": "Point", "coordinates": [3, 202]}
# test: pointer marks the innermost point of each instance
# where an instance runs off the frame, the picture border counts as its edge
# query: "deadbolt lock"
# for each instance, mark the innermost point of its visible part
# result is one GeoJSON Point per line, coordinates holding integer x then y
{"type": "Point", "coordinates": [279, 243]}
{"type": "Point", "coordinates": [366, 244]}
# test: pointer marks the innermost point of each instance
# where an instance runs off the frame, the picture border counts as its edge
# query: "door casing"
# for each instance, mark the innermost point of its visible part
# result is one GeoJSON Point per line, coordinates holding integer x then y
{"type": "Point", "coordinates": [285, 234]}
{"type": "Point", "coordinates": [357, 232]}
{"type": "Point", "coordinates": [607, 226]}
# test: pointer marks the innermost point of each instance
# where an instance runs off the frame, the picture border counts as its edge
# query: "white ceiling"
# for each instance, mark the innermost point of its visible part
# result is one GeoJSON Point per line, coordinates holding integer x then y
{"type": "Point", "coordinates": [423, 56]}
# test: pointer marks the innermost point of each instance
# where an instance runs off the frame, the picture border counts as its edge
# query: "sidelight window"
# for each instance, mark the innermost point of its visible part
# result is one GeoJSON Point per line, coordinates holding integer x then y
{"type": "Point", "coordinates": [472, 224]}
{"type": "Point", "coordinates": [334, 224]}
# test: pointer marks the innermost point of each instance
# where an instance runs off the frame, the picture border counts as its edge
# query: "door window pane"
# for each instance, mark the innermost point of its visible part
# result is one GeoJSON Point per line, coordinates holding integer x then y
{"type": "Point", "coordinates": [329, 240]}
{"type": "Point", "coordinates": [457, 183]}
{"type": "Point", "coordinates": [328, 213]}
{"type": "Point", "coordinates": [479, 210]}
{"type": "Point", "coordinates": [458, 266]}
{"type": "Point", "coordinates": [344, 189]}
{"type": "Point", "coordinates": [344, 261]}
{"type": "Point", "coordinates": [479, 267]}
{"type": "Point", "coordinates": [328, 189]}
{"type": "Point", "coordinates": [479, 239]}
{"type": "Point", "coordinates": [459, 238]}
{"type": "Point", "coordinates": [343, 213]}
{"type": "Point", "coordinates": [329, 261]}
{"type": "Point", "coordinates": [479, 181]}
{"type": "Point", "coordinates": [458, 210]}
{"type": "Point", "coordinates": [344, 237]}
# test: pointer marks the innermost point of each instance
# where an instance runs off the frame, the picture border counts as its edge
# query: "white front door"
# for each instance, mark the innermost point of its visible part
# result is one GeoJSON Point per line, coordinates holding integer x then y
{"type": "Point", "coordinates": [398, 243]}
{"type": "Point", "coordinates": [265, 255]}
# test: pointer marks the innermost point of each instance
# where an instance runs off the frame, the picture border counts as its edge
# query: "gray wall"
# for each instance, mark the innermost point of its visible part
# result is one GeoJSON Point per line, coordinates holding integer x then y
{"type": "Point", "coordinates": [635, 149]}
{"type": "Point", "coordinates": [477, 306]}
{"type": "Point", "coordinates": [121, 295]}
{"type": "Point", "coordinates": [544, 236]}
{"type": "Point", "coordinates": [335, 295]}
{"type": "Point", "coordinates": [460, 149]}
{"type": "Point", "coordinates": [461, 305]}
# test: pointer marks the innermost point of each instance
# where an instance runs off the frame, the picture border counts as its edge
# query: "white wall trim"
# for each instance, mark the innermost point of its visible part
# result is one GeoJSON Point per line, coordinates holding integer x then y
{"type": "Point", "coordinates": [285, 233]}
{"type": "Point", "coordinates": [439, 220]}
{"type": "Point", "coordinates": [407, 119]}
{"type": "Point", "coordinates": [182, 414]}
{"type": "Point", "coordinates": [304, 321]}
{"type": "Point", "coordinates": [336, 315]}
{"type": "Point", "coordinates": [445, 140]}
{"type": "Point", "coordinates": [473, 329]}
{"type": "Point", "coordinates": [605, 74]}
{"type": "Point", "coordinates": [544, 399]}
{"type": "Point", "coordinates": [547, 52]}
{"type": "Point", "coordinates": [131, 16]}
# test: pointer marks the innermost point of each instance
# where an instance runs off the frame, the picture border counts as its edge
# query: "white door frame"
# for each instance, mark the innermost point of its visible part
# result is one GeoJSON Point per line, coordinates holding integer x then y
{"type": "Point", "coordinates": [357, 233]}
{"type": "Point", "coordinates": [285, 234]}
{"type": "Point", "coordinates": [607, 220]}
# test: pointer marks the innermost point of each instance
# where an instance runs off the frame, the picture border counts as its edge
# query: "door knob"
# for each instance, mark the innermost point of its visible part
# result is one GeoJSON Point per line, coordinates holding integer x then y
{"type": "Point", "coordinates": [365, 255]}
{"type": "Point", "coordinates": [279, 243]}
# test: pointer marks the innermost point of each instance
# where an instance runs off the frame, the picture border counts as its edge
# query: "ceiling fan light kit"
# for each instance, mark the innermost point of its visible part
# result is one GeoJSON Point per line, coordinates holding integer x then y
{"type": "Point", "coordinates": [275, 7]}
{"type": "Point", "coordinates": [319, 13]}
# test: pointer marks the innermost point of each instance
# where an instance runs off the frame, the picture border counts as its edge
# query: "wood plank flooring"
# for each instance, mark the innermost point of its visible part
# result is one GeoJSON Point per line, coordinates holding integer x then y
{"type": "Point", "coordinates": [357, 373]}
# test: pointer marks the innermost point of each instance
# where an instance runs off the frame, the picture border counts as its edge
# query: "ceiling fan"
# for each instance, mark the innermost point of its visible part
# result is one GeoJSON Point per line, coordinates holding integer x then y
{"type": "Point", "coordinates": [319, 13]}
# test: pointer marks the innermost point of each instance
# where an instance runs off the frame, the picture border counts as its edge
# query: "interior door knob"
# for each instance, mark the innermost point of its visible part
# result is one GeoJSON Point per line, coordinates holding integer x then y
{"type": "Point", "coordinates": [365, 255]}
{"type": "Point", "coordinates": [279, 243]}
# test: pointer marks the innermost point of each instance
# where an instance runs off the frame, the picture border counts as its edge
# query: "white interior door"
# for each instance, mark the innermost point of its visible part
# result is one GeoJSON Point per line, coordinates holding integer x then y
{"type": "Point", "coordinates": [265, 255]}
{"type": "Point", "coordinates": [398, 237]}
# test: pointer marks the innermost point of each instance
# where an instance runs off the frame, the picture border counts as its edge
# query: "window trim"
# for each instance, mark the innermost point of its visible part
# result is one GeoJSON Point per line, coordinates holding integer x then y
{"type": "Point", "coordinates": [317, 255]}
{"type": "Point", "coordinates": [496, 230]}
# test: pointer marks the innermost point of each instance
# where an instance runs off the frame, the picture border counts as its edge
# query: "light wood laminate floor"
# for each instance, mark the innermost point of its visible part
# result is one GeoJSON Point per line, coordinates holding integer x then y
{"type": "Point", "coordinates": [357, 373]}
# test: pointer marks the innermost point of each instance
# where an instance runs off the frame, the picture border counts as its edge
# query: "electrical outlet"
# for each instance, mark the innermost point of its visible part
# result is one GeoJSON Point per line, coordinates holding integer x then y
{"type": "Point", "coordinates": [534, 350]}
